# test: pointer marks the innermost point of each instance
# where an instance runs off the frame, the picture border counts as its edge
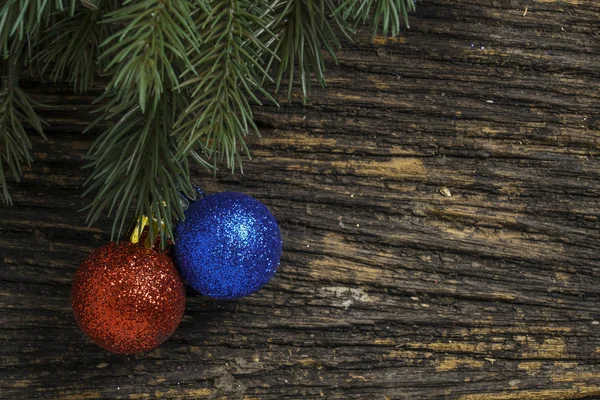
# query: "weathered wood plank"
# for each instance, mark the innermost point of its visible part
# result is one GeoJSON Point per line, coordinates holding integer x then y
{"type": "Point", "coordinates": [389, 288]}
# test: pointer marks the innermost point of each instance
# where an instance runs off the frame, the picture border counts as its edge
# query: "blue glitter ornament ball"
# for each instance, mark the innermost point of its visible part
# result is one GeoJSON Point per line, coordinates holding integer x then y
{"type": "Point", "coordinates": [228, 246]}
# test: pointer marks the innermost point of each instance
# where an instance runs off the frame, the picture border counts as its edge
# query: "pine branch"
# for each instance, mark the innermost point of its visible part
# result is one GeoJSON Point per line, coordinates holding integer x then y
{"type": "Point", "coordinates": [303, 29]}
{"type": "Point", "coordinates": [226, 73]}
{"type": "Point", "coordinates": [133, 163]}
{"type": "Point", "coordinates": [143, 54]}
{"type": "Point", "coordinates": [20, 19]}
{"type": "Point", "coordinates": [390, 14]}
{"type": "Point", "coordinates": [183, 75]}
{"type": "Point", "coordinates": [70, 46]}
{"type": "Point", "coordinates": [15, 108]}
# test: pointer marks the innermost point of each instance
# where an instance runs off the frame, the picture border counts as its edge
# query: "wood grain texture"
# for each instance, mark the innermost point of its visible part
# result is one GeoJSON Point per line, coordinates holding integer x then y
{"type": "Point", "coordinates": [440, 210]}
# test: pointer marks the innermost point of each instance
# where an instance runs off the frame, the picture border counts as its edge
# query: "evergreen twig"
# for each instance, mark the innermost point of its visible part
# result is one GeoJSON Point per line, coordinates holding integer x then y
{"type": "Point", "coordinates": [133, 163]}
{"type": "Point", "coordinates": [15, 107]}
{"type": "Point", "coordinates": [390, 14]}
{"type": "Point", "coordinates": [183, 75]}
{"type": "Point", "coordinates": [142, 56]}
{"type": "Point", "coordinates": [303, 29]}
{"type": "Point", "coordinates": [226, 73]}
{"type": "Point", "coordinates": [20, 19]}
{"type": "Point", "coordinates": [69, 48]}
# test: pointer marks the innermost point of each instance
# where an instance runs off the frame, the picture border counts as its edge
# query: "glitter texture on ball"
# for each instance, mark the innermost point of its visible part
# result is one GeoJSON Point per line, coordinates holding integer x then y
{"type": "Point", "coordinates": [126, 298]}
{"type": "Point", "coordinates": [228, 246]}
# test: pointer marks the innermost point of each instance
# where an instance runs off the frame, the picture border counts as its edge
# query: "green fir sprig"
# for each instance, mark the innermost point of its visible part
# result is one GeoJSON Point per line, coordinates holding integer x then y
{"type": "Point", "coordinates": [134, 165]}
{"type": "Point", "coordinates": [16, 109]}
{"type": "Point", "coordinates": [183, 77]}
{"type": "Point", "coordinates": [69, 47]}
{"type": "Point", "coordinates": [389, 14]}
{"type": "Point", "coordinates": [144, 53]}
{"type": "Point", "coordinates": [227, 72]}
{"type": "Point", "coordinates": [304, 28]}
{"type": "Point", "coordinates": [22, 19]}
{"type": "Point", "coordinates": [134, 162]}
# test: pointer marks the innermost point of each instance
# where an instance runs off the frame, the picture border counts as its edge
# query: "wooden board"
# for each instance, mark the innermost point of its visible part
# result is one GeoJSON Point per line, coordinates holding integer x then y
{"type": "Point", "coordinates": [440, 210]}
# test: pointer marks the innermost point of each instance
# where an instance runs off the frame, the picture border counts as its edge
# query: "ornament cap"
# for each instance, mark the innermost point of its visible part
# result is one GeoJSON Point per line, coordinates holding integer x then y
{"type": "Point", "coordinates": [200, 191]}
{"type": "Point", "coordinates": [148, 236]}
{"type": "Point", "coordinates": [139, 235]}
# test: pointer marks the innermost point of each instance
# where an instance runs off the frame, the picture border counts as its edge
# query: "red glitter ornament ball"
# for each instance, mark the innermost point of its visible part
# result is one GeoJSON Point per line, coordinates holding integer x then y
{"type": "Point", "coordinates": [126, 298]}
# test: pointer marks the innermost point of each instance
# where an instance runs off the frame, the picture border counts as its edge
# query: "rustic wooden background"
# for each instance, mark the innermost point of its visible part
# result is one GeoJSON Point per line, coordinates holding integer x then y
{"type": "Point", "coordinates": [439, 204]}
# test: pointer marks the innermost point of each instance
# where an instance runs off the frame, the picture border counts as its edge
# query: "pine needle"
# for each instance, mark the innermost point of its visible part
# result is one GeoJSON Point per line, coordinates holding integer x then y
{"type": "Point", "coordinates": [304, 28]}
{"type": "Point", "coordinates": [69, 48]}
{"type": "Point", "coordinates": [389, 14]}
{"type": "Point", "coordinates": [145, 55]}
{"type": "Point", "coordinates": [21, 19]}
{"type": "Point", "coordinates": [15, 146]}
{"type": "Point", "coordinates": [227, 70]}
{"type": "Point", "coordinates": [133, 163]}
